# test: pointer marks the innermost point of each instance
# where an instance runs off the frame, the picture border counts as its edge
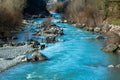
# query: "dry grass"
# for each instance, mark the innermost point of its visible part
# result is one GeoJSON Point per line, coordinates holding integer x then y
{"type": "Point", "coordinates": [10, 15]}
{"type": "Point", "coordinates": [85, 12]}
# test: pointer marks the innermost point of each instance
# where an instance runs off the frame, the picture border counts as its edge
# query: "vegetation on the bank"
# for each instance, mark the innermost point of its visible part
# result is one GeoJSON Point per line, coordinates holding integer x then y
{"type": "Point", "coordinates": [10, 15]}
{"type": "Point", "coordinates": [61, 6]}
{"type": "Point", "coordinates": [90, 12]}
{"type": "Point", "coordinates": [12, 12]}
{"type": "Point", "coordinates": [35, 7]}
{"type": "Point", "coordinates": [83, 11]}
{"type": "Point", "coordinates": [97, 15]}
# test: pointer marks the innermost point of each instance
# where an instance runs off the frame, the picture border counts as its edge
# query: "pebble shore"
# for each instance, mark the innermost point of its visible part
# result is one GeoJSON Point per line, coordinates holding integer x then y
{"type": "Point", "coordinates": [11, 56]}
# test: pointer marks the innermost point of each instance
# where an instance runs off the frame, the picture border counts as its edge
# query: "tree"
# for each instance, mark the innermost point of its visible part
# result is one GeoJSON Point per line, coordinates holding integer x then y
{"type": "Point", "coordinates": [35, 7]}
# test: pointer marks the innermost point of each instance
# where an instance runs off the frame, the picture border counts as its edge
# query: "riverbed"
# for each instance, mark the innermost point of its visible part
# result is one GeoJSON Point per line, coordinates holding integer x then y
{"type": "Point", "coordinates": [77, 58]}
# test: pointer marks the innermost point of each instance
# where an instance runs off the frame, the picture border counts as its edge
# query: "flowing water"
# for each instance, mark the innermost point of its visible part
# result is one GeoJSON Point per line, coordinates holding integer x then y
{"type": "Point", "coordinates": [77, 58]}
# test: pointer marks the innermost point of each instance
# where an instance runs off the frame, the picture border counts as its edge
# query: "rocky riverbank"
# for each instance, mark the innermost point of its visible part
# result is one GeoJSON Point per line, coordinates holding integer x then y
{"type": "Point", "coordinates": [13, 53]}
{"type": "Point", "coordinates": [111, 31]}
{"type": "Point", "coordinates": [10, 56]}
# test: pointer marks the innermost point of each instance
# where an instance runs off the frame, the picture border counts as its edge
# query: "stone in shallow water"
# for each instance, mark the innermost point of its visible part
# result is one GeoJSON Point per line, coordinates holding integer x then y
{"type": "Point", "coordinates": [50, 39]}
{"type": "Point", "coordinates": [110, 66]}
{"type": "Point", "coordinates": [110, 48]}
{"type": "Point", "coordinates": [36, 56]}
{"type": "Point", "coordinates": [35, 44]}
{"type": "Point", "coordinates": [14, 37]}
{"type": "Point", "coordinates": [117, 66]}
{"type": "Point", "coordinates": [99, 37]}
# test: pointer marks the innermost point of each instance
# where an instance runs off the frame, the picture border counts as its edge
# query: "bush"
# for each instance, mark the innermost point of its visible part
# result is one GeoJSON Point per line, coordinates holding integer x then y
{"type": "Point", "coordinates": [85, 12]}
{"type": "Point", "coordinates": [10, 15]}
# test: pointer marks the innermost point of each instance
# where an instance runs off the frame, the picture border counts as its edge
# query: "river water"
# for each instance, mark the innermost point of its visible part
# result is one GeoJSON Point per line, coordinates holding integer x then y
{"type": "Point", "coordinates": [77, 58]}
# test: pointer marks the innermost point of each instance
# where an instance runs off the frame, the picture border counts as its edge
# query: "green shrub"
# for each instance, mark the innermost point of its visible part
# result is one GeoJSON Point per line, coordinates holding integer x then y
{"type": "Point", "coordinates": [116, 22]}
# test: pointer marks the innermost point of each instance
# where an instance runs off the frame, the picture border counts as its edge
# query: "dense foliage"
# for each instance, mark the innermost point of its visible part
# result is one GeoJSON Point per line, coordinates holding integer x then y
{"type": "Point", "coordinates": [35, 7]}
{"type": "Point", "coordinates": [10, 15]}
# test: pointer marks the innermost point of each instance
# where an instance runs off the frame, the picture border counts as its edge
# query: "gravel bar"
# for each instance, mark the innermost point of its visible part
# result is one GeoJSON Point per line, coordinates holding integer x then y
{"type": "Point", "coordinates": [11, 56]}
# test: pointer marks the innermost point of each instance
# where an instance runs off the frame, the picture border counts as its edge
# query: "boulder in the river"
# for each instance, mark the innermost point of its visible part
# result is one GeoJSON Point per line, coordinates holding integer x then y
{"type": "Point", "coordinates": [14, 37]}
{"type": "Point", "coordinates": [42, 46]}
{"type": "Point", "coordinates": [60, 31]}
{"type": "Point", "coordinates": [34, 44]}
{"type": "Point", "coordinates": [99, 37]}
{"type": "Point", "coordinates": [111, 66]}
{"type": "Point", "coordinates": [54, 29]}
{"type": "Point", "coordinates": [36, 56]}
{"type": "Point", "coordinates": [117, 66]}
{"type": "Point", "coordinates": [49, 39]}
{"type": "Point", "coordinates": [110, 48]}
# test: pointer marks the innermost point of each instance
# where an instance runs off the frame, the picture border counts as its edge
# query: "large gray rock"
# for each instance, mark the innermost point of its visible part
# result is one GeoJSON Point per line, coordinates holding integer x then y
{"type": "Point", "coordinates": [35, 44]}
{"type": "Point", "coordinates": [54, 30]}
{"type": "Point", "coordinates": [49, 39]}
{"type": "Point", "coordinates": [110, 48]}
{"type": "Point", "coordinates": [99, 37]}
{"type": "Point", "coordinates": [111, 66]}
{"type": "Point", "coordinates": [36, 56]}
